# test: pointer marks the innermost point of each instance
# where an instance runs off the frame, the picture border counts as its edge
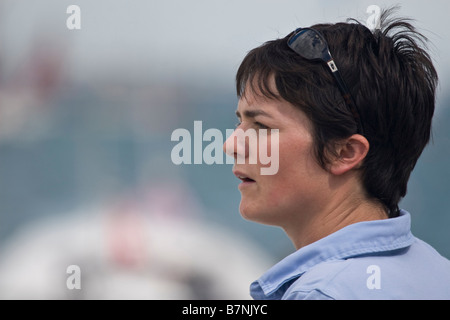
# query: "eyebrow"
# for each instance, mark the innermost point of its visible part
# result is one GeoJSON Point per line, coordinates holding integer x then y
{"type": "Point", "coordinates": [253, 113]}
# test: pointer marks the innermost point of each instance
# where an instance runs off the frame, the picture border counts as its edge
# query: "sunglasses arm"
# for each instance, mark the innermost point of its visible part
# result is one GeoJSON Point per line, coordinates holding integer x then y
{"type": "Point", "coordinates": [345, 93]}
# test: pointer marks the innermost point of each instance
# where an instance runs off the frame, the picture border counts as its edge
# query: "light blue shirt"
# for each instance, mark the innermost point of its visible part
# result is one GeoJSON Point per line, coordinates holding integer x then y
{"type": "Point", "coordinates": [378, 259]}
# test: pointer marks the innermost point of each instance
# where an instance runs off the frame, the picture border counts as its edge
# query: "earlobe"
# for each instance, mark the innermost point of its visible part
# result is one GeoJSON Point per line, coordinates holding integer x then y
{"type": "Point", "coordinates": [350, 154]}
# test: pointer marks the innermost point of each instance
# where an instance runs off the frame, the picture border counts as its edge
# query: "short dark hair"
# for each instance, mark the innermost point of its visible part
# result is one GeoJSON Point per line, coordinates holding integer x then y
{"type": "Point", "coordinates": [392, 79]}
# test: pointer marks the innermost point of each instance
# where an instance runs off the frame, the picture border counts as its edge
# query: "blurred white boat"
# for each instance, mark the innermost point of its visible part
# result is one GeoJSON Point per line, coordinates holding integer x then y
{"type": "Point", "coordinates": [130, 251]}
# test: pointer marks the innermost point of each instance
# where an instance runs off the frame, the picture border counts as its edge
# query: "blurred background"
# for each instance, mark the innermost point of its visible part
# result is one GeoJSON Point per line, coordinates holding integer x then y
{"type": "Point", "coordinates": [86, 117]}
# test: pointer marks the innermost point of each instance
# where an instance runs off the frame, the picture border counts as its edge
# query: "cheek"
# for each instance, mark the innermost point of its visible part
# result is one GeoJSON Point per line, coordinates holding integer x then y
{"type": "Point", "coordinates": [297, 158]}
{"type": "Point", "coordinates": [299, 180]}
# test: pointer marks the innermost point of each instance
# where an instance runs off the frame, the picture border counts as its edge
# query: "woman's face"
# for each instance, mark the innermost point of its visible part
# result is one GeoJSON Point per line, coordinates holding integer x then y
{"type": "Point", "coordinates": [299, 185]}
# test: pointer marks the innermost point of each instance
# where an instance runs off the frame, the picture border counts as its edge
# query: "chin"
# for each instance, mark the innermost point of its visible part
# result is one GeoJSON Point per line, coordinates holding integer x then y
{"type": "Point", "coordinates": [257, 214]}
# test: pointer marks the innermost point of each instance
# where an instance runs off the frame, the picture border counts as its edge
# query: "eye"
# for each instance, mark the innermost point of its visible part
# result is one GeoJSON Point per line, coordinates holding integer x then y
{"type": "Point", "coordinates": [261, 126]}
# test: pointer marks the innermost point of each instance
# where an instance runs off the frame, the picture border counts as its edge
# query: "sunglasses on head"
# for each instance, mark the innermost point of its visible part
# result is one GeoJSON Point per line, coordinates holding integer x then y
{"type": "Point", "coordinates": [311, 45]}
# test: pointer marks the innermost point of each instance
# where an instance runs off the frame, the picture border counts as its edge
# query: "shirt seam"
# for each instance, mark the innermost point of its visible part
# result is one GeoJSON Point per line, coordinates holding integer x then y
{"type": "Point", "coordinates": [308, 292]}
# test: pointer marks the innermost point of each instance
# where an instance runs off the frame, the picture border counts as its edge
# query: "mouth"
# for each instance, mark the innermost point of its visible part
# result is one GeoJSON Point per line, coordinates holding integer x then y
{"type": "Point", "coordinates": [246, 180]}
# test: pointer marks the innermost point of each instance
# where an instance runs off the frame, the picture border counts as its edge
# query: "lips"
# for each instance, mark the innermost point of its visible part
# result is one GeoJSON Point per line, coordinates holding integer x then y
{"type": "Point", "coordinates": [243, 176]}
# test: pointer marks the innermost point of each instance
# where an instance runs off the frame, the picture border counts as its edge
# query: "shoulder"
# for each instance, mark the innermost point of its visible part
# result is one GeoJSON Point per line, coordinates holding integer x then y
{"type": "Point", "coordinates": [416, 272]}
{"type": "Point", "coordinates": [320, 282]}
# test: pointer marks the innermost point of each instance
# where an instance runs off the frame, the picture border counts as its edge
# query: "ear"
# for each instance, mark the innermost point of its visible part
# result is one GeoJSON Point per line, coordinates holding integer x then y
{"type": "Point", "coordinates": [350, 154]}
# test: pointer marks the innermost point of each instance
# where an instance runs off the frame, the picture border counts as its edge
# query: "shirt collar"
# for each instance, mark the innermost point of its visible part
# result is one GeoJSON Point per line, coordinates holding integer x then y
{"type": "Point", "coordinates": [356, 239]}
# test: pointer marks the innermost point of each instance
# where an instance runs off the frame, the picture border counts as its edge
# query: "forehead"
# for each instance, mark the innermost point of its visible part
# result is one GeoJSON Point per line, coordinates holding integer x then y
{"type": "Point", "coordinates": [266, 98]}
{"type": "Point", "coordinates": [277, 109]}
{"type": "Point", "coordinates": [256, 97]}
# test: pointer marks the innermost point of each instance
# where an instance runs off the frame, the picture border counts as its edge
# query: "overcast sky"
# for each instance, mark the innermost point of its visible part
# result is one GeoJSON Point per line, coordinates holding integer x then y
{"type": "Point", "coordinates": [186, 38]}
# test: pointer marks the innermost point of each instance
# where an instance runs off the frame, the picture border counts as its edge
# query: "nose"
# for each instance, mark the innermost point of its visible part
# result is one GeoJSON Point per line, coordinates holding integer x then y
{"type": "Point", "coordinates": [235, 147]}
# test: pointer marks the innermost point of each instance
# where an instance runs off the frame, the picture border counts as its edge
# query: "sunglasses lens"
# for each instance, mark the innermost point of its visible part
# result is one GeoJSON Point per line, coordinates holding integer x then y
{"type": "Point", "coordinates": [309, 44]}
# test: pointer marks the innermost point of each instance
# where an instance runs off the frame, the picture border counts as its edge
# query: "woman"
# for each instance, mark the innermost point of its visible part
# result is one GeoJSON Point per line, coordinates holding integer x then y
{"type": "Point", "coordinates": [353, 111]}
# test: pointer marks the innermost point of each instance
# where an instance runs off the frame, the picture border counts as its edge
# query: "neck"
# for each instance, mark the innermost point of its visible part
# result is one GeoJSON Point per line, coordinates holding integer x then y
{"type": "Point", "coordinates": [335, 215]}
